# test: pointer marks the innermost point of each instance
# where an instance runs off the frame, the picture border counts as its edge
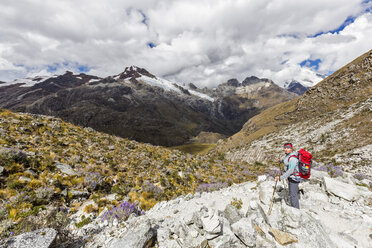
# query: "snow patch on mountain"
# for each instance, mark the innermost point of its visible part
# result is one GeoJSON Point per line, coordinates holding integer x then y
{"type": "Point", "coordinates": [94, 80]}
{"type": "Point", "coordinates": [158, 82]}
{"type": "Point", "coordinates": [171, 86]}
{"type": "Point", "coordinates": [250, 88]}
{"type": "Point", "coordinates": [26, 82]}
{"type": "Point", "coordinates": [201, 95]}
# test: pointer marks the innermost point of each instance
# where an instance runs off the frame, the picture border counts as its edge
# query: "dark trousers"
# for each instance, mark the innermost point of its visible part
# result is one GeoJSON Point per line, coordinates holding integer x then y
{"type": "Point", "coordinates": [293, 193]}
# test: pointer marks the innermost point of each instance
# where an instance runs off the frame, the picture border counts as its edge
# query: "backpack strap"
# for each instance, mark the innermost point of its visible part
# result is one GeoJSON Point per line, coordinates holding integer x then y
{"type": "Point", "coordinates": [291, 157]}
{"type": "Point", "coordinates": [295, 173]}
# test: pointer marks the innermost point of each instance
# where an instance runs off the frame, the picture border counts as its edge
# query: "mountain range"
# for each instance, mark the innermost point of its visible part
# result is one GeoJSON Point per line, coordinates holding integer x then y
{"type": "Point", "coordinates": [332, 120]}
{"type": "Point", "coordinates": [94, 189]}
{"type": "Point", "coordinates": [138, 105]}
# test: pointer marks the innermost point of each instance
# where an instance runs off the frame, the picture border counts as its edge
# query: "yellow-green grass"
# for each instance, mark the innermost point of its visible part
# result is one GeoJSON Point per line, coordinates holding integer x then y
{"type": "Point", "coordinates": [195, 148]}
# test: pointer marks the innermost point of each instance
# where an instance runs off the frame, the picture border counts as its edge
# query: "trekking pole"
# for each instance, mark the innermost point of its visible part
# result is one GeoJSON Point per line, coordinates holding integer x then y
{"type": "Point", "coordinates": [272, 198]}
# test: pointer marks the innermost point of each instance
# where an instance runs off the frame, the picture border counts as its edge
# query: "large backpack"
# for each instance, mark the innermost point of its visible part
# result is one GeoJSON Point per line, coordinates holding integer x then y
{"type": "Point", "coordinates": [304, 163]}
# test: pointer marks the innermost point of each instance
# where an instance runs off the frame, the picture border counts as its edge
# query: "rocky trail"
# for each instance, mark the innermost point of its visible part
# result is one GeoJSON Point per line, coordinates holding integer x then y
{"type": "Point", "coordinates": [335, 212]}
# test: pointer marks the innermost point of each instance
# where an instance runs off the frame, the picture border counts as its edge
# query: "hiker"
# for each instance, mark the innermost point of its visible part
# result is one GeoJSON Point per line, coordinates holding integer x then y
{"type": "Point", "coordinates": [291, 172]}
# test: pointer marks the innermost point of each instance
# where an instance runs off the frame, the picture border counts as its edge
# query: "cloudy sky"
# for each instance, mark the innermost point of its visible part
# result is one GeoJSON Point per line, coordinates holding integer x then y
{"type": "Point", "coordinates": [201, 41]}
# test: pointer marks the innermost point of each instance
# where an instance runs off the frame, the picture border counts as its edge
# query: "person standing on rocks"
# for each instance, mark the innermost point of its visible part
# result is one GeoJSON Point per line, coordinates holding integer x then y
{"type": "Point", "coordinates": [291, 172]}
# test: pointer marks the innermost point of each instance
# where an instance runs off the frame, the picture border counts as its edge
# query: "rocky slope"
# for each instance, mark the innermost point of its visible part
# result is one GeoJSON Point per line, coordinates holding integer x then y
{"type": "Point", "coordinates": [332, 120]}
{"type": "Point", "coordinates": [51, 170]}
{"type": "Point", "coordinates": [138, 105]}
{"type": "Point", "coordinates": [335, 212]}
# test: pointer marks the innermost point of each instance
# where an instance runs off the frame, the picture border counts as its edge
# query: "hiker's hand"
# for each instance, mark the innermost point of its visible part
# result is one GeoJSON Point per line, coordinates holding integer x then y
{"type": "Point", "coordinates": [277, 178]}
{"type": "Point", "coordinates": [278, 160]}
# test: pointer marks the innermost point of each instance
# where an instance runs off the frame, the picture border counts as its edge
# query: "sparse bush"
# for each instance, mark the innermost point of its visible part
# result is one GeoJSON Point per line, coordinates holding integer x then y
{"type": "Point", "coordinates": [209, 187]}
{"type": "Point", "coordinates": [236, 203]}
{"type": "Point", "coordinates": [256, 163]}
{"type": "Point", "coordinates": [333, 171]}
{"type": "Point", "coordinates": [360, 176]}
{"type": "Point", "coordinates": [272, 172]}
{"type": "Point", "coordinates": [90, 208]}
{"type": "Point", "coordinates": [122, 212]}
{"type": "Point", "coordinates": [83, 222]}
{"type": "Point", "coordinates": [155, 191]}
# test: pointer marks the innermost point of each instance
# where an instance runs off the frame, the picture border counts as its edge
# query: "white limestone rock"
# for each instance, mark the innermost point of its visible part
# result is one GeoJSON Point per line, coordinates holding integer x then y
{"type": "Point", "coordinates": [245, 232]}
{"type": "Point", "coordinates": [346, 191]}
{"type": "Point", "coordinates": [42, 238]}
{"type": "Point", "coordinates": [66, 169]}
{"type": "Point", "coordinates": [138, 236]}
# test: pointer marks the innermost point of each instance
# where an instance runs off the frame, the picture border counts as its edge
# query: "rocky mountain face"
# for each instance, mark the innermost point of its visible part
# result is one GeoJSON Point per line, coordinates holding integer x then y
{"type": "Point", "coordinates": [296, 87]}
{"type": "Point", "coordinates": [138, 105]}
{"type": "Point", "coordinates": [332, 120]}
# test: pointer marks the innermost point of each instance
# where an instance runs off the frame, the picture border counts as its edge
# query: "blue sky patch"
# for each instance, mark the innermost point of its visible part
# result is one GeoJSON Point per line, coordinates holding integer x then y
{"type": "Point", "coordinates": [52, 68]}
{"type": "Point", "coordinates": [144, 20]}
{"type": "Point", "coordinates": [296, 36]}
{"type": "Point", "coordinates": [347, 22]}
{"type": "Point", "coordinates": [283, 62]}
{"type": "Point", "coordinates": [71, 66]}
{"type": "Point", "coordinates": [151, 45]}
{"type": "Point", "coordinates": [83, 68]}
{"type": "Point", "coordinates": [367, 5]}
{"type": "Point", "coordinates": [311, 63]}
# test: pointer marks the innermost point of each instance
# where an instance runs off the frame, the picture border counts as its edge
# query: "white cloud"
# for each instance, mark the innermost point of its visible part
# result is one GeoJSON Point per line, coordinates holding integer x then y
{"type": "Point", "coordinates": [205, 42]}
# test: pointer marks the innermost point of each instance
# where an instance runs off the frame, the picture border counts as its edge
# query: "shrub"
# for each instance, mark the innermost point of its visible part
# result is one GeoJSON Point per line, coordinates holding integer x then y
{"type": "Point", "coordinates": [34, 183]}
{"type": "Point", "coordinates": [209, 187]}
{"type": "Point", "coordinates": [154, 190]}
{"type": "Point", "coordinates": [360, 176]}
{"type": "Point", "coordinates": [236, 203]}
{"type": "Point", "coordinates": [83, 222]}
{"type": "Point", "coordinates": [272, 172]}
{"type": "Point", "coordinates": [122, 212]}
{"type": "Point", "coordinates": [333, 171]}
{"type": "Point", "coordinates": [90, 208]}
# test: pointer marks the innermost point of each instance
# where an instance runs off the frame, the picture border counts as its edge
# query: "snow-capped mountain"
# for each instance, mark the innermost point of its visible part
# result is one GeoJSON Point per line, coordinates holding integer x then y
{"type": "Point", "coordinates": [142, 75]}
{"type": "Point", "coordinates": [296, 87]}
{"type": "Point", "coordinates": [139, 105]}
{"type": "Point", "coordinates": [300, 86]}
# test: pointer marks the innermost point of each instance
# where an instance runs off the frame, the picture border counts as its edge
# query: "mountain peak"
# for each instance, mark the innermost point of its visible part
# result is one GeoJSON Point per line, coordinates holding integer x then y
{"type": "Point", "coordinates": [133, 72]}
{"type": "Point", "coordinates": [253, 80]}
{"type": "Point", "coordinates": [295, 87]}
{"type": "Point", "coordinates": [233, 82]}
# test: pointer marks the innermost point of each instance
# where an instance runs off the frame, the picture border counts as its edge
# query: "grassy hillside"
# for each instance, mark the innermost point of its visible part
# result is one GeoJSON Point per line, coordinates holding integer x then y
{"type": "Point", "coordinates": [50, 168]}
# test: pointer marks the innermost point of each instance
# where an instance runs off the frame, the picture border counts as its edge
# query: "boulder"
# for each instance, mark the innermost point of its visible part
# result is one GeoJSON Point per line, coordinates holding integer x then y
{"type": "Point", "coordinates": [265, 192]}
{"type": "Point", "coordinates": [211, 224]}
{"type": "Point", "coordinates": [141, 236]}
{"type": "Point", "coordinates": [261, 178]}
{"type": "Point", "coordinates": [317, 175]}
{"type": "Point", "coordinates": [245, 232]}
{"type": "Point", "coordinates": [346, 191]}
{"type": "Point", "coordinates": [309, 231]}
{"type": "Point", "coordinates": [66, 169]}
{"type": "Point", "coordinates": [232, 214]}
{"type": "Point", "coordinates": [224, 241]}
{"type": "Point", "coordinates": [282, 238]}
{"type": "Point", "coordinates": [42, 238]}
